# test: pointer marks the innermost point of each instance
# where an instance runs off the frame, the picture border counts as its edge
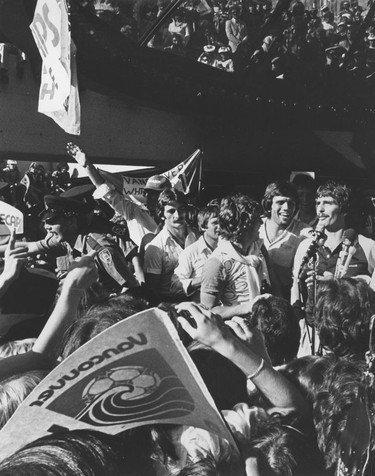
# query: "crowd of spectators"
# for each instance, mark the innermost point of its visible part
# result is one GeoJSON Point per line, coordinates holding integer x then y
{"type": "Point", "coordinates": [226, 277]}
{"type": "Point", "coordinates": [231, 35]}
{"type": "Point", "coordinates": [27, 190]}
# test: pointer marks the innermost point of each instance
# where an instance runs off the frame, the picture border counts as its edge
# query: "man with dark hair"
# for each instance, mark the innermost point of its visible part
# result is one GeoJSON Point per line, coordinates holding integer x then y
{"type": "Point", "coordinates": [161, 256]}
{"type": "Point", "coordinates": [274, 317]}
{"type": "Point", "coordinates": [233, 275]}
{"type": "Point", "coordinates": [281, 232]}
{"type": "Point", "coordinates": [344, 253]}
{"type": "Point", "coordinates": [344, 308]}
{"type": "Point", "coordinates": [187, 277]}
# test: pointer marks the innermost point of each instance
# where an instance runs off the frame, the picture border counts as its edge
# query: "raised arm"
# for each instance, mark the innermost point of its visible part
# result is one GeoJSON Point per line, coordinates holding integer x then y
{"type": "Point", "coordinates": [82, 275]}
{"type": "Point", "coordinates": [211, 330]}
{"type": "Point", "coordinates": [81, 158]}
{"type": "Point", "coordinates": [14, 260]}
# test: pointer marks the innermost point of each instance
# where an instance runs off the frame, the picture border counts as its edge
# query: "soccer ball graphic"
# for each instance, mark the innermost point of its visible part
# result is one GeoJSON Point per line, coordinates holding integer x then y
{"type": "Point", "coordinates": [131, 383]}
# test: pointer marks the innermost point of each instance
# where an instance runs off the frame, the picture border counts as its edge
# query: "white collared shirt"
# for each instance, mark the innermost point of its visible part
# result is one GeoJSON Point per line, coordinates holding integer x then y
{"type": "Point", "coordinates": [282, 250]}
{"type": "Point", "coordinates": [161, 257]}
{"type": "Point", "coordinates": [190, 266]}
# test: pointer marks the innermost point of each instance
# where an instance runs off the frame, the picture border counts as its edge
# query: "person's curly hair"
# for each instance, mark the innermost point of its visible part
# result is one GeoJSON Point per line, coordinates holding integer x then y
{"type": "Point", "coordinates": [274, 317]}
{"type": "Point", "coordinates": [339, 192]}
{"type": "Point", "coordinates": [238, 214]}
{"type": "Point", "coordinates": [278, 189]}
{"type": "Point", "coordinates": [343, 312]}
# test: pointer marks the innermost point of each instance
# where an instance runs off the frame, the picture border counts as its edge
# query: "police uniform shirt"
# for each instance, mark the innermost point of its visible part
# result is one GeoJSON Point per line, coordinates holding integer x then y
{"type": "Point", "coordinates": [109, 259]}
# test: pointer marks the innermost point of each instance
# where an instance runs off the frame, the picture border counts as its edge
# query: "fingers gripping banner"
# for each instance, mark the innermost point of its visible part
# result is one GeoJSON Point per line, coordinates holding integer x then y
{"type": "Point", "coordinates": [137, 372]}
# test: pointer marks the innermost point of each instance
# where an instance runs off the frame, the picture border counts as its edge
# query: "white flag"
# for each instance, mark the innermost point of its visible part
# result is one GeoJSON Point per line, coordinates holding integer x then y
{"type": "Point", "coordinates": [185, 177]}
{"type": "Point", "coordinates": [58, 95]}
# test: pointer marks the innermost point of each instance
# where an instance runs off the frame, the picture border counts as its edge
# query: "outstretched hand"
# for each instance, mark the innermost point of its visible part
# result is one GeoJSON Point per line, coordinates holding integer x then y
{"type": "Point", "coordinates": [251, 336]}
{"type": "Point", "coordinates": [206, 327]}
{"type": "Point", "coordinates": [83, 273]}
{"type": "Point", "coordinates": [14, 258]}
{"type": "Point", "coordinates": [77, 153]}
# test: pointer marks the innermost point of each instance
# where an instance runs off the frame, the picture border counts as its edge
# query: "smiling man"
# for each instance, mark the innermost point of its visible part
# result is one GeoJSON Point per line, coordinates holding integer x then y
{"type": "Point", "coordinates": [280, 232]}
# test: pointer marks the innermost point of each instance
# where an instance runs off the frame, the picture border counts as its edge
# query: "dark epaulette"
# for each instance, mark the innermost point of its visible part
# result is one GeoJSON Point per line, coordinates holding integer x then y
{"type": "Point", "coordinates": [120, 230]}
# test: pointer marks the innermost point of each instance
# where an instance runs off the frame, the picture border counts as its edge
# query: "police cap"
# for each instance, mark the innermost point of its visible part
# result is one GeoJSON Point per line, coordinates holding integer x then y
{"type": "Point", "coordinates": [57, 206]}
{"type": "Point", "coordinates": [79, 192]}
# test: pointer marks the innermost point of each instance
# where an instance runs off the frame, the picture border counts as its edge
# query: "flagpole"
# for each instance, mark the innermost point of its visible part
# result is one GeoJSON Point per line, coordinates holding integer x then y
{"type": "Point", "coordinates": [200, 177]}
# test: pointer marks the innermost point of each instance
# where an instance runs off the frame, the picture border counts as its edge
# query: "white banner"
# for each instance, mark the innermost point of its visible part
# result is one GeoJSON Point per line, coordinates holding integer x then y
{"type": "Point", "coordinates": [186, 173]}
{"type": "Point", "coordinates": [58, 94]}
{"type": "Point", "coordinates": [10, 218]}
{"type": "Point", "coordinates": [135, 373]}
{"type": "Point", "coordinates": [183, 177]}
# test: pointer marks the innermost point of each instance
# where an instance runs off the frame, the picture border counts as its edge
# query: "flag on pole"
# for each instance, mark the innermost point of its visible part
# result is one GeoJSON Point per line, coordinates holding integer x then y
{"type": "Point", "coordinates": [58, 94]}
{"type": "Point", "coordinates": [185, 177]}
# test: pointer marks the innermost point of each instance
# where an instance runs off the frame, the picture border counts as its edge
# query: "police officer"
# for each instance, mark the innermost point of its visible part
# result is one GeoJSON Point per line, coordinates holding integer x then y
{"type": "Point", "coordinates": [69, 226]}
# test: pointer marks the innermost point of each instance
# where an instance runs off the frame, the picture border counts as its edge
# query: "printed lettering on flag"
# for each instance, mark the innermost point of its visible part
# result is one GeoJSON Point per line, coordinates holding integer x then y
{"type": "Point", "coordinates": [185, 177]}
{"type": "Point", "coordinates": [58, 94]}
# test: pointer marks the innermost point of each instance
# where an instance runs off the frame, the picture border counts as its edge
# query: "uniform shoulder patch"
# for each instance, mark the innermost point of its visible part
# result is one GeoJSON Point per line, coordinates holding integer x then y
{"type": "Point", "coordinates": [105, 256]}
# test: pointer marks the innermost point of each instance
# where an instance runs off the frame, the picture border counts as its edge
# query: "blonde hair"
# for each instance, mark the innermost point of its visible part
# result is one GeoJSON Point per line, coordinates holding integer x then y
{"type": "Point", "coordinates": [15, 389]}
{"type": "Point", "coordinates": [16, 347]}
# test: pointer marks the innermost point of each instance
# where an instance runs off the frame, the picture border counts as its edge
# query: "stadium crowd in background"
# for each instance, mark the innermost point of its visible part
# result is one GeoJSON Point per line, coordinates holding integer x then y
{"type": "Point", "coordinates": [229, 35]}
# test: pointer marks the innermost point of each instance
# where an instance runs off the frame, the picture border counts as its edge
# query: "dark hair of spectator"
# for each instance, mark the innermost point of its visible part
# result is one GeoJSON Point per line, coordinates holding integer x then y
{"type": "Point", "coordinates": [304, 181]}
{"type": "Point", "coordinates": [204, 467]}
{"type": "Point", "coordinates": [168, 196]}
{"type": "Point", "coordinates": [339, 192]}
{"type": "Point", "coordinates": [282, 449]}
{"type": "Point", "coordinates": [278, 189]}
{"type": "Point", "coordinates": [307, 373]}
{"type": "Point", "coordinates": [75, 453]}
{"type": "Point", "coordinates": [99, 318]}
{"type": "Point", "coordinates": [332, 405]}
{"type": "Point", "coordinates": [343, 311]}
{"type": "Point", "coordinates": [205, 214]}
{"type": "Point", "coordinates": [274, 317]}
{"type": "Point", "coordinates": [192, 215]}
{"type": "Point", "coordinates": [238, 215]}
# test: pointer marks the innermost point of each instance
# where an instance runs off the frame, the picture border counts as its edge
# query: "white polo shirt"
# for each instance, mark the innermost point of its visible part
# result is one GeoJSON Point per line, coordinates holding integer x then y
{"type": "Point", "coordinates": [281, 251]}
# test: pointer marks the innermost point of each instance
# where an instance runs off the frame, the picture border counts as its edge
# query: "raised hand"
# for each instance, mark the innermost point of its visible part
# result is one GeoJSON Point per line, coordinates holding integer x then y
{"type": "Point", "coordinates": [209, 328]}
{"type": "Point", "coordinates": [251, 336]}
{"type": "Point", "coordinates": [83, 273]}
{"type": "Point", "coordinates": [14, 258]}
{"type": "Point", "coordinates": [77, 153]}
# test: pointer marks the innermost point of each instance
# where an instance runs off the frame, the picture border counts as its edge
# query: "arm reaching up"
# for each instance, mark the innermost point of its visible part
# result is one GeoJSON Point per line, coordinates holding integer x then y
{"type": "Point", "coordinates": [81, 276]}
{"type": "Point", "coordinates": [80, 157]}
{"type": "Point", "coordinates": [138, 218]}
{"type": "Point", "coordinates": [211, 330]}
{"type": "Point", "coordinates": [14, 260]}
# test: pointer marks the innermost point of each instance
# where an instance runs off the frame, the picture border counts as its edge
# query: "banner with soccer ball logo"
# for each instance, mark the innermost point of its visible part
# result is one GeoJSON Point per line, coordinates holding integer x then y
{"type": "Point", "coordinates": [135, 373]}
